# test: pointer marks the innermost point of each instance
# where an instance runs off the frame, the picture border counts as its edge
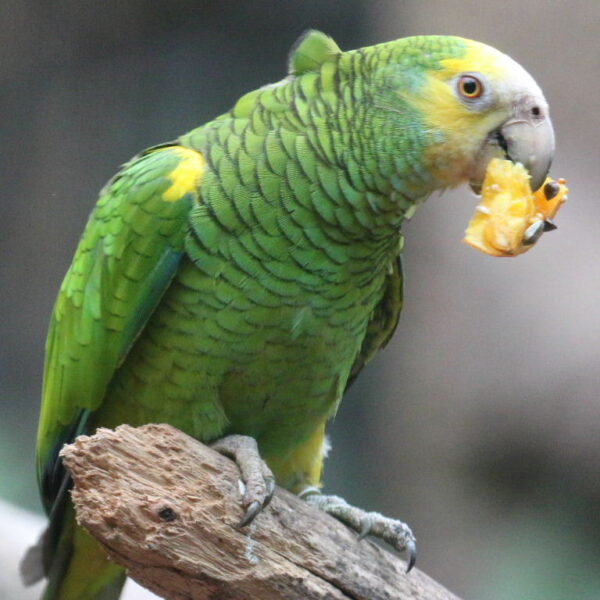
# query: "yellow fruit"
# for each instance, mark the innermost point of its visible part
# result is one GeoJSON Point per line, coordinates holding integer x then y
{"type": "Point", "coordinates": [510, 217]}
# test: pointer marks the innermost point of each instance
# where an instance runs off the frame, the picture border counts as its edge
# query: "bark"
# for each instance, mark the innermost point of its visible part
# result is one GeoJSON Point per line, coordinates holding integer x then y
{"type": "Point", "coordinates": [166, 507]}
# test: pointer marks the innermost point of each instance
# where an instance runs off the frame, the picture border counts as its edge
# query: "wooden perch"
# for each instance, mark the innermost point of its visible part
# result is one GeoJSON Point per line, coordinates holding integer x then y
{"type": "Point", "coordinates": [166, 507]}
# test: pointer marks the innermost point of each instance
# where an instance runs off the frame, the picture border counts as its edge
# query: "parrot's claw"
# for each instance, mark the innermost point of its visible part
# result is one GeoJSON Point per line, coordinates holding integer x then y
{"type": "Point", "coordinates": [256, 507]}
{"type": "Point", "coordinates": [394, 532]}
{"type": "Point", "coordinates": [411, 554]}
{"type": "Point", "coordinates": [251, 512]}
{"type": "Point", "coordinates": [270, 483]}
{"type": "Point", "coordinates": [258, 480]}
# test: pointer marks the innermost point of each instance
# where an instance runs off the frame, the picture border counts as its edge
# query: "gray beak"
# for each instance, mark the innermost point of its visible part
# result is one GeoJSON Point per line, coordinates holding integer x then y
{"type": "Point", "coordinates": [529, 139]}
{"type": "Point", "coordinates": [526, 137]}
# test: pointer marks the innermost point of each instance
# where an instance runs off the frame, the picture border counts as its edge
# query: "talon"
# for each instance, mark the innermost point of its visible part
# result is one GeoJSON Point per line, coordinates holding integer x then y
{"type": "Point", "coordinates": [257, 483]}
{"type": "Point", "coordinates": [251, 513]}
{"type": "Point", "coordinates": [270, 485]}
{"type": "Point", "coordinates": [309, 491]}
{"type": "Point", "coordinates": [411, 555]}
{"type": "Point", "coordinates": [549, 225]}
{"type": "Point", "coordinates": [396, 533]}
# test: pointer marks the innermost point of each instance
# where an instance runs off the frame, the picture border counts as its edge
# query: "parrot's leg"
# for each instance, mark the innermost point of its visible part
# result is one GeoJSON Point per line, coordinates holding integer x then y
{"type": "Point", "coordinates": [258, 479]}
{"type": "Point", "coordinates": [394, 532]}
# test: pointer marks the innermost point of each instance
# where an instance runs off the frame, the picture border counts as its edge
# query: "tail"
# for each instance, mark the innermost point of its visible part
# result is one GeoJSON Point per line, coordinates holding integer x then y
{"type": "Point", "coordinates": [74, 563]}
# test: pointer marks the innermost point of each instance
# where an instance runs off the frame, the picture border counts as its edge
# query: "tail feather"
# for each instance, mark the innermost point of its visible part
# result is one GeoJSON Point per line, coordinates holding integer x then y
{"type": "Point", "coordinates": [32, 567]}
{"type": "Point", "coordinates": [74, 563]}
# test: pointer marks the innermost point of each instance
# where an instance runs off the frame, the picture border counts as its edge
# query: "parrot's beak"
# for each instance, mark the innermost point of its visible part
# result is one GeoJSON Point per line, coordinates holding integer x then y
{"type": "Point", "coordinates": [527, 137]}
{"type": "Point", "coordinates": [530, 141]}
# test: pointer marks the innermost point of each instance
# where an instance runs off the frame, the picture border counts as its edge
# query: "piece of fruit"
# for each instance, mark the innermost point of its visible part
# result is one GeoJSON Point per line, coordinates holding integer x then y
{"type": "Point", "coordinates": [510, 217]}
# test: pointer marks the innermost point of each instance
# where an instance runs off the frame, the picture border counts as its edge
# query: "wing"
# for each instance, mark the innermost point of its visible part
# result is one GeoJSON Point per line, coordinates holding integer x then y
{"type": "Point", "coordinates": [383, 321]}
{"type": "Point", "coordinates": [127, 256]}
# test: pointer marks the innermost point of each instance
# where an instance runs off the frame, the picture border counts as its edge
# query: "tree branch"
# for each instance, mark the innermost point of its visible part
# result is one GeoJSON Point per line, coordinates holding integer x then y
{"type": "Point", "coordinates": [166, 507]}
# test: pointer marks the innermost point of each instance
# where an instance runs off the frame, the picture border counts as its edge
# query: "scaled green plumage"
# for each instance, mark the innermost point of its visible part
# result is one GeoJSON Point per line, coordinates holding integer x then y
{"type": "Point", "coordinates": [236, 280]}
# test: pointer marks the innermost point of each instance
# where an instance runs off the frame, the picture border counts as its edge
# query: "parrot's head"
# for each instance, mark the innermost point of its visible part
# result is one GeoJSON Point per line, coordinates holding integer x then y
{"type": "Point", "coordinates": [476, 103]}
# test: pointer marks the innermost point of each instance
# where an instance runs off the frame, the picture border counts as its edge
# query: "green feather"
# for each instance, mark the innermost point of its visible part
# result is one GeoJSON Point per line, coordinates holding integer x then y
{"type": "Point", "coordinates": [312, 50]}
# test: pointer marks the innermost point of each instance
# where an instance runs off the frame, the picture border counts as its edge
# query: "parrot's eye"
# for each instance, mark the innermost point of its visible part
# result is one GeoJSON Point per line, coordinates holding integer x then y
{"type": "Point", "coordinates": [469, 87]}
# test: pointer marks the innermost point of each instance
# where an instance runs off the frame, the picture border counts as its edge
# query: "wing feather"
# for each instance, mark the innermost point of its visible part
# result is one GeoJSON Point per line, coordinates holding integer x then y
{"type": "Point", "coordinates": [126, 258]}
{"type": "Point", "coordinates": [383, 321]}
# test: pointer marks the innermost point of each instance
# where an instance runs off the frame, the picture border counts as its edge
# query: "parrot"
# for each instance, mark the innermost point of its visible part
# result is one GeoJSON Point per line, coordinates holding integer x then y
{"type": "Point", "coordinates": [235, 281]}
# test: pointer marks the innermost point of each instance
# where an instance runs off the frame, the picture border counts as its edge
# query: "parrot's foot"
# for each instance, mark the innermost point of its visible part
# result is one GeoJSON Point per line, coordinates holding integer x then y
{"type": "Point", "coordinates": [258, 480]}
{"type": "Point", "coordinates": [396, 533]}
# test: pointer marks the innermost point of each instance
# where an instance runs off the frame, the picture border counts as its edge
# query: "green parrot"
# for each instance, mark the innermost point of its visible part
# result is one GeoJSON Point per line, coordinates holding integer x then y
{"type": "Point", "coordinates": [235, 281]}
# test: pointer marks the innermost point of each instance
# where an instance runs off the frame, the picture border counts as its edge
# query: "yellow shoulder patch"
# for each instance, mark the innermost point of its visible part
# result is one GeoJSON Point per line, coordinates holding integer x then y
{"type": "Point", "coordinates": [186, 176]}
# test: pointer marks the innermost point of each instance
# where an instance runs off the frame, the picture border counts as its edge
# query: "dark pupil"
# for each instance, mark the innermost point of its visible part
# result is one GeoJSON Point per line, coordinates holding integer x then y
{"type": "Point", "coordinates": [469, 87]}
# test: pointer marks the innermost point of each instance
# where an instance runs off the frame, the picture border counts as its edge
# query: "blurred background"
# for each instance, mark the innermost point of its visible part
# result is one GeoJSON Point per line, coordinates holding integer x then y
{"type": "Point", "coordinates": [480, 423]}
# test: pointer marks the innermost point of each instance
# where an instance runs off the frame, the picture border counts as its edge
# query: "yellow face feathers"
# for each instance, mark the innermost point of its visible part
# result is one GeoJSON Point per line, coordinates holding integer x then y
{"type": "Point", "coordinates": [478, 58]}
{"type": "Point", "coordinates": [464, 101]}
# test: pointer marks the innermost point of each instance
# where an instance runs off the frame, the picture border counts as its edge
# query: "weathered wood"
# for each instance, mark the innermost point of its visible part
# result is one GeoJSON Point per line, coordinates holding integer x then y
{"type": "Point", "coordinates": [166, 507]}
